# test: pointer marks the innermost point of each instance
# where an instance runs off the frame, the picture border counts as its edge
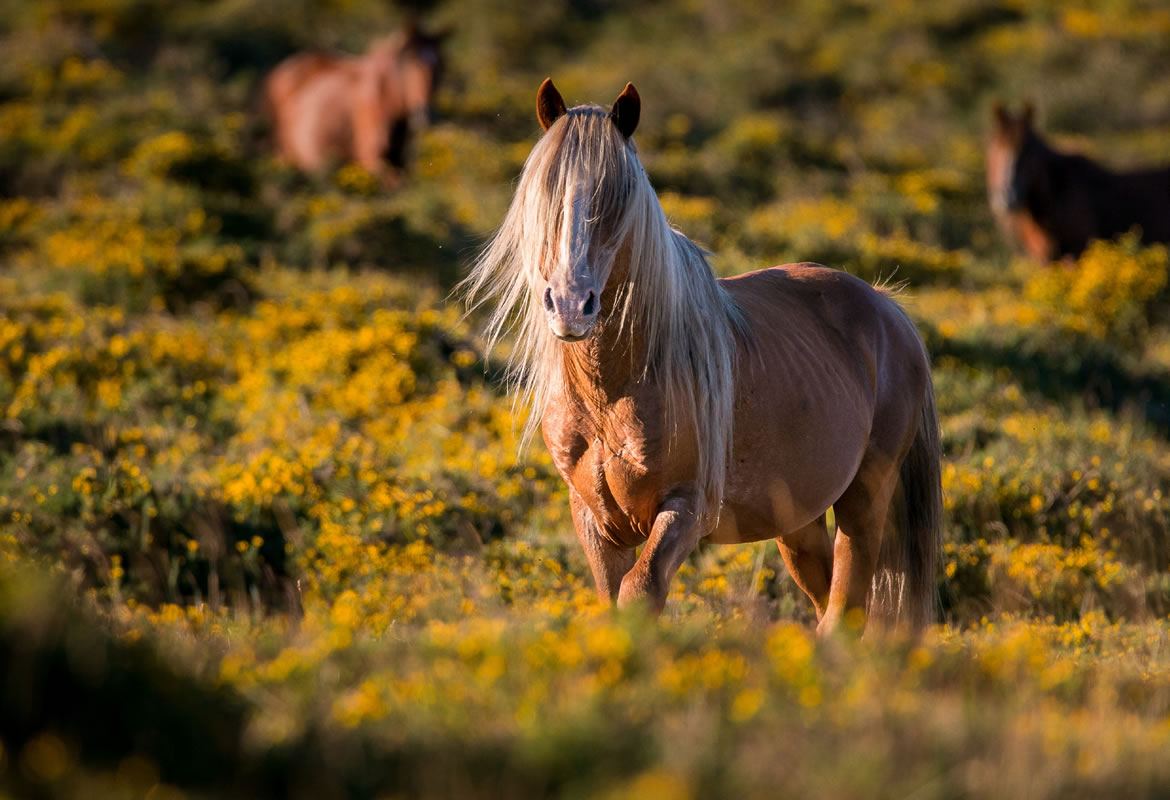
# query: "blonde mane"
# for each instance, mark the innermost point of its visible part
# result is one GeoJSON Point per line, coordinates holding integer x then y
{"type": "Point", "coordinates": [670, 299]}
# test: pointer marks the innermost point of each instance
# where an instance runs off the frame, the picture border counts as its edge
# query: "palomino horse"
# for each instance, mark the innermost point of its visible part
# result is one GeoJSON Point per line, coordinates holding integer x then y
{"type": "Point", "coordinates": [329, 106]}
{"type": "Point", "coordinates": [1055, 203]}
{"type": "Point", "coordinates": [681, 408]}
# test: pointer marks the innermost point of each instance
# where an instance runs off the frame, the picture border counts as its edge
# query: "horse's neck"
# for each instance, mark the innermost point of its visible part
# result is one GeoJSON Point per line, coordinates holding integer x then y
{"type": "Point", "coordinates": [605, 367]}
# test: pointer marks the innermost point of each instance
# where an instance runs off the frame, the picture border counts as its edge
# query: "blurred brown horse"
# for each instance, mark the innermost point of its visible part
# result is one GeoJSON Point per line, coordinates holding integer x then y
{"type": "Point", "coordinates": [1055, 203]}
{"type": "Point", "coordinates": [680, 408]}
{"type": "Point", "coordinates": [328, 106]}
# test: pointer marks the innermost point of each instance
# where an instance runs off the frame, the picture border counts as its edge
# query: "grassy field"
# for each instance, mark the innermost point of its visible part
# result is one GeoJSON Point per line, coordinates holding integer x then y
{"type": "Point", "coordinates": [266, 528]}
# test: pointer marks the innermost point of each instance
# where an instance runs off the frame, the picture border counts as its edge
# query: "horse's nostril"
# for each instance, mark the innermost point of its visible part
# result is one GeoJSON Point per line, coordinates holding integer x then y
{"type": "Point", "coordinates": [548, 301]}
{"type": "Point", "coordinates": [589, 307]}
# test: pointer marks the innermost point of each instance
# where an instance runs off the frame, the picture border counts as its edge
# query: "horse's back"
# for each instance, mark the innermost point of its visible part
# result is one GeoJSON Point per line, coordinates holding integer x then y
{"type": "Point", "coordinates": [809, 318]}
{"type": "Point", "coordinates": [801, 281]}
{"type": "Point", "coordinates": [812, 297]}
{"type": "Point", "coordinates": [296, 71]}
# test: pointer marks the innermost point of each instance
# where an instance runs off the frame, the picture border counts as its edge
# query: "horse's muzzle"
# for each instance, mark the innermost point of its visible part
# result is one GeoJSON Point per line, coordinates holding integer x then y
{"type": "Point", "coordinates": [571, 316]}
{"type": "Point", "coordinates": [569, 337]}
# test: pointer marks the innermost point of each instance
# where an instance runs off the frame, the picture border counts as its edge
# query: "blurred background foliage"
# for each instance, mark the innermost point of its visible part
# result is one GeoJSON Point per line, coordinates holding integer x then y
{"type": "Point", "coordinates": [262, 500]}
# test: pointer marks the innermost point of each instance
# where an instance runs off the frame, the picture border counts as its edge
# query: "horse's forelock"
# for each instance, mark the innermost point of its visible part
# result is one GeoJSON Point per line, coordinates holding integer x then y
{"type": "Point", "coordinates": [580, 165]}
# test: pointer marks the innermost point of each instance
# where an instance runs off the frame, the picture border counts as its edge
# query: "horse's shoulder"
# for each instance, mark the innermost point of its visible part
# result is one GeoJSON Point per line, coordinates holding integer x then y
{"type": "Point", "coordinates": [563, 432]}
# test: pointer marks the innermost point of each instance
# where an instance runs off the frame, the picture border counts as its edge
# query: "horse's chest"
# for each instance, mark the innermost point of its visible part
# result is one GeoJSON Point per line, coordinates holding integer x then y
{"type": "Point", "coordinates": [615, 479]}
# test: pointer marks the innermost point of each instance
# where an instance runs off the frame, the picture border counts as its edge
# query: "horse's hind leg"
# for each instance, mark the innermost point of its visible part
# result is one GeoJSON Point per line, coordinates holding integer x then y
{"type": "Point", "coordinates": [808, 554]}
{"type": "Point", "coordinates": [862, 517]}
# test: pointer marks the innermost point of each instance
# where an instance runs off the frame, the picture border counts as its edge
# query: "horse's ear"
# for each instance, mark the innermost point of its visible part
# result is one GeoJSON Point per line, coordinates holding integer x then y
{"type": "Point", "coordinates": [550, 106]}
{"type": "Point", "coordinates": [626, 110]}
{"type": "Point", "coordinates": [1027, 115]}
{"type": "Point", "coordinates": [410, 30]}
{"type": "Point", "coordinates": [1001, 116]}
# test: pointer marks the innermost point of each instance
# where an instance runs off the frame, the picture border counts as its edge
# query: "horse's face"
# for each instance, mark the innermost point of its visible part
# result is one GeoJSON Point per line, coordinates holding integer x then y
{"type": "Point", "coordinates": [581, 260]}
{"type": "Point", "coordinates": [580, 264]}
{"type": "Point", "coordinates": [421, 62]}
{"type": "Point", "coordinates": [1011, 163]}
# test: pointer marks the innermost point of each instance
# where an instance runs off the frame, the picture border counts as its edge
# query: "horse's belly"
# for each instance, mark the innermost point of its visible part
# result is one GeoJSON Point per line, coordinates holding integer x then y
{"type": "Point", "coordinates": [775, 511]}
{"type": "Point", "coordinates": [778, 487]}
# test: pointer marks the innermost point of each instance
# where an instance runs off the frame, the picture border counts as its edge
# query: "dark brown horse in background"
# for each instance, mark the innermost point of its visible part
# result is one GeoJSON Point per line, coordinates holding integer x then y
{"type": "Point", "coordinates": [328, 106]}
{"type": "Point", "coordinates": [1055, 203]}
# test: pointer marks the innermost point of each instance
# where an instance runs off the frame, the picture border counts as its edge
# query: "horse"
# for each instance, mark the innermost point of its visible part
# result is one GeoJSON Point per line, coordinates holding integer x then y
{"type": "Point", "coordinates": [1055, 203]}
{"type": "Point", "coordinates": [326, 106]}
{"type": "Point", "coordinates": [679, 408]}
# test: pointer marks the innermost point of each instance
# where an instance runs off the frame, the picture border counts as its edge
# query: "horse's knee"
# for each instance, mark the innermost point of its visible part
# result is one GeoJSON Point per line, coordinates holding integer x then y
{"type": "Point", "coordinates": [676, 532]}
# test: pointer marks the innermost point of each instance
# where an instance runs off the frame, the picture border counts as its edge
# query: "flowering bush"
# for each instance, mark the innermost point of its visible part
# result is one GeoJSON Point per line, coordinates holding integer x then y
{"type": "Point", "coordinates": [263, 500]}
{"type": "Point", "coordinates": [1111, 292]}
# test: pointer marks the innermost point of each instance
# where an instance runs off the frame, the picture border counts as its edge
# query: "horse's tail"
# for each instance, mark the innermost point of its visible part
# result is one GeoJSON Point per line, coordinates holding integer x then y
{"type": "Point", "coordinates": [905, 587]}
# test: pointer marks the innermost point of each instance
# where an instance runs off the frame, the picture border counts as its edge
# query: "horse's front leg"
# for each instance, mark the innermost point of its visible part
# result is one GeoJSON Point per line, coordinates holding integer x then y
{"type": "Point", "coordinates": [607, 561]}
{"type": "Point", "coordinates": [675, 534]}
